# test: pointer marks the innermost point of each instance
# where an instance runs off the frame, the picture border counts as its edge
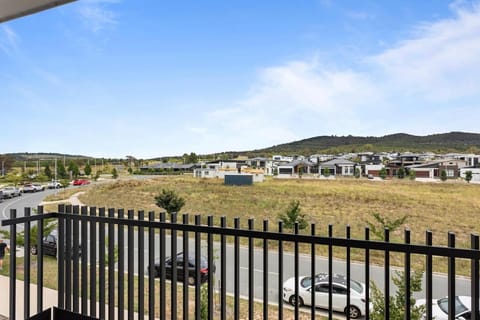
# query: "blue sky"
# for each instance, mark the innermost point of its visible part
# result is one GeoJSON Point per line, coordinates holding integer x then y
{"type": "Point", "coordinates": [110, 78]}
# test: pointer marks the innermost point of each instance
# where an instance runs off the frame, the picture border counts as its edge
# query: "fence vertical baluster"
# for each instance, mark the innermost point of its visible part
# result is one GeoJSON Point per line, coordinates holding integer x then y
{"type": "Point", "coordinates": [101, 264]}
{"type": "Point", "coordinates": [367, 276]}
{"type": "Point", "coordinates": [39, 261]}
{"type": "Point", "coordinates": [408, 289]}
{"type": "Point", "coordinates": [280, 272]}
{"type": "Point", "coordinates": [312, 272]}
{"type": "Point", "coordinates": [141, 266]}
{"type": "Point", "coordinates": [13, 265]}
{"type": "Point", "coordinates": [330, 272]}
{"type": "Point", "coordinates": [223, 275]}
{"type": "Point", "coordinates": [93, 263]}
{"type": "Point", "coordinates": [296, 272]}
{"type": "Point", "coordinates": [121, 264]}
{"type": "Point", "coordinates": [186, 274]}
{"type": "Point", "coordinates": [210, 264]}
{"type": "Point", "coordinates": [173, 253]}
{"type": "Point", "coordinates": [151, 267]}
{"type": "Point", "coordinates": [474, 240]}
{"type": "Point", "coordinates": [68, 258]}
{"type": "Point", "coordinates": [111, 263]}
{"type": "Point", "coordinates": [162, 269]}
{"type": "Point", "coordinates": [387, 276]}
{"type": "Point", "coordinates": [75, 258]}
{"type": "Point", "coordinates": [236, 281]}
{"type": "Point", "coordinates": [26, 266]}
{"type": "Point", "coordinates": [84, 256]}
{"type": "Point", "coordinates": [265, 271]}
{"type": "Point", "coordinates": [251, 266]}
{"type": "Point", "coordinates": [60, 259]}
{"type": "Point", "coordinates": [198, 221]}
{"type": "Point", "coordinates": [131, 264]}
{"type": "Point", "coordinates": [348, 271]}
{"type": "Point", "coordinates": [428, 276]}
{"type": "Point", "coordinates": [451, 278]}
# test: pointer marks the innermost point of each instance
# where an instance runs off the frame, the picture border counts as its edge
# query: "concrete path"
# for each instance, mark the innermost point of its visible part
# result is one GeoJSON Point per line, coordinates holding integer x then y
{"type": "Point", "coordinates": [49, 300]}
{"type": "Point", "coordinates": [73, 200]}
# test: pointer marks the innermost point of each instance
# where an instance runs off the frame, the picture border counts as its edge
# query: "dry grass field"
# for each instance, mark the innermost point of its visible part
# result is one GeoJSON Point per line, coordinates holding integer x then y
{"type": "Point", "coordinates": [440, 207]}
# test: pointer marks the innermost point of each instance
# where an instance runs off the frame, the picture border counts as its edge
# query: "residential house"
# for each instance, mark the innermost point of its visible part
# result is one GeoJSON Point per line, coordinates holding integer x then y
{"type": "Point", "coordinates": [264, 164]}
{"type": "Point", "coordinates": [433, 169]}
{"type": "Point", "coordinates": [338, 166]}
{"type": "Point", "coordinates": [296, 168]}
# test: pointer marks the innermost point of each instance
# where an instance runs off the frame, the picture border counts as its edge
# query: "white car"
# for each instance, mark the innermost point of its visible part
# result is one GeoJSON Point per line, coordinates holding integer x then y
{"type": "Point", "coordinates": [440, 307]}
{"type": "Point", "coordinates": [339, 293]}
{"type": "Point", "coordinates": [54, 185]}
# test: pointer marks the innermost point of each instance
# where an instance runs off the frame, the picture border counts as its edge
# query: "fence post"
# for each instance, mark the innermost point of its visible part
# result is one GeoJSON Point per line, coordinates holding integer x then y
{"type": "Point", "coordinates": [407, 278]}
{"type": "Point", "coordinates": [386, 269]}
{"type": "Point", "coordinates": [474, 239]}
{"type": "Point", "coordinates": [13, 265]}
{"type": "Point", "coordinates": [451, 278]}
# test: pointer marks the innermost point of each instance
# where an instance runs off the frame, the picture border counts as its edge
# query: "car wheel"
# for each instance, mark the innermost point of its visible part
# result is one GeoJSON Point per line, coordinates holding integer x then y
{"type": "Point", "coordinates": [33, 250]}
{"type": "Point", "coordinates": [191, 280]}
{"type": "Point", "coordinates": [354, 312]}
{"type": "Point", "coordinates": [293, 301]}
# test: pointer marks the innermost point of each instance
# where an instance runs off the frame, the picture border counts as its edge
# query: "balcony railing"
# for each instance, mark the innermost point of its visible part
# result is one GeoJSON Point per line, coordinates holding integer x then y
{"type": "Point", "coordinates": [105, 258]}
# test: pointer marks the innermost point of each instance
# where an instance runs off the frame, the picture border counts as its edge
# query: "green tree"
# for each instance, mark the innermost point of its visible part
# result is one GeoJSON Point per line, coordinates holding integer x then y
{"type": "Point", "coordinates": [65, 183]}
{"type": "Point", "coordinates": [357, 173]}
{"type": "Point", "coordinates": [169, 201]}
{"type": "Point", "coordinates": [114, 173]}
{"type": "Point", "coordinates": [381, 223]}
{"type": "Point", "coordinates": [397, 302]}
{"type": "Point", "coordinates": [293, 214]}
{"type": "Point", "coordinates": [443, 175]}
{"type": "Point", "coordinates": [401, 173]}
{"type": "Point", "coordinates": [383, 173]}
{"type": "Point", "coordinates": [326, 172]}
{"type": "Point", "coordinates": [412, 175]}
{"type": "Point", "coordinates": [61, 171]}
{"type": "Point", "coordinates": [48, 172]}
{"type": "Point", "coordinates": [130, 170]}
{"type": "Point", "coordinates": [468, 176]}
{"type": "Point", "coordinates": [88, 169]}
{"type": "Point", "coordinates": [73, 169]}
{"type": "Point", "coordinates": [190, 158]}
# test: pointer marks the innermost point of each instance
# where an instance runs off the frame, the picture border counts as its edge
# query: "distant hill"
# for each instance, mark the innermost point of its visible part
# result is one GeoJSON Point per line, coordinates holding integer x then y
{"type": "Point", "coordinates": [438, 143]}
{"type": "Point", "coordinates": [462, 142]}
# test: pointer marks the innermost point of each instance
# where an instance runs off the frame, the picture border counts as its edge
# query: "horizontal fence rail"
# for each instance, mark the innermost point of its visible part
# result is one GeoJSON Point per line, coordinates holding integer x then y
{"type": "Point", "coordinates": [117, 264]}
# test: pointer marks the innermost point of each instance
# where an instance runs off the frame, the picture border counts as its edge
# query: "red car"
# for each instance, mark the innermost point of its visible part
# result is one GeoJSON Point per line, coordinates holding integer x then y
{"type": "Point", "coordinates": [80, 182]}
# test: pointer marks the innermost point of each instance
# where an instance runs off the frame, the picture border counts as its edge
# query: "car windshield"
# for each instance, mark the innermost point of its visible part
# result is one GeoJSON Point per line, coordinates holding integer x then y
{"type": "Point", "coordinates": [357, 286]}
{"type": "Point", "coordinates": [459, 307]}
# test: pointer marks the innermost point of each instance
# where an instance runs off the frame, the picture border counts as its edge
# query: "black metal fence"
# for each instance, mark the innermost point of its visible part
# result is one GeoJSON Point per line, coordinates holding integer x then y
{"type": "Point", "coordinates": [105, 260]}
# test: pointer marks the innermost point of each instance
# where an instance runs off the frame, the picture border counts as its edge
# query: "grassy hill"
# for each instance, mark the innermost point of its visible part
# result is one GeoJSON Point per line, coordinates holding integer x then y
{"type": "Point", "coordinates": [438, 143]}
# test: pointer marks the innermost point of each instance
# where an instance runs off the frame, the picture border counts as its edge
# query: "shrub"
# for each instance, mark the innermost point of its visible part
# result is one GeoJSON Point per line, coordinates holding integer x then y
{"type": "Point", "coordinates": [397, 302]}
{"type": "Point", "coordinates": [169, 201]}
{"type": "Point", "coordinates": [292, 215]}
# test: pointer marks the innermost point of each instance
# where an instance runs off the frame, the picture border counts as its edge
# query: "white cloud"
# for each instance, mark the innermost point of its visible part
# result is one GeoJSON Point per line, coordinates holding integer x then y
{"type": "Point", "coordinates": [410, 87]}
{"type": "Point", "coordinates": [8, 40]}
{"type": "Point", "coordinates": [97, 14]}
{"type": "Point", "coordinates": [441, 62]}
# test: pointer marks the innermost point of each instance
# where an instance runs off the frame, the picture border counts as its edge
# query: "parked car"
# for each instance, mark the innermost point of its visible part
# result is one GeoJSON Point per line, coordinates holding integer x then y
{"type": "Point", "coordinates": [10, 192]}
{"type": "Point", "coordinates": [80, 182]}
{"type": "Point", "coordinates": [204, 270]}
{"type": "Point", "coordinates": [49, 245]}
{"type": "Point", "coordinates": [33, 187]}
{"type": "Point", "coordinates": [54, 185]}
{"type": "Point", "coordinates": [321, 287]}
{"type": "Point", "coordinates": [1, 196]}
{"type": "Point", "coordinates": [440, 307]}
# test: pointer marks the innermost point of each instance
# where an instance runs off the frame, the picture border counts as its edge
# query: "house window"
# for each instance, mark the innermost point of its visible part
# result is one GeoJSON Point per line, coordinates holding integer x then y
{"type": "Point", "coordinates": [450, 173]}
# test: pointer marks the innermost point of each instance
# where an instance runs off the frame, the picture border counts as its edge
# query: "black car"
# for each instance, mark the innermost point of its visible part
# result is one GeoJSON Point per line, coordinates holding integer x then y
{"type": "Point", "coordinates": [49, 246]}
{"type": "Point", "coordinates": [204, 270]}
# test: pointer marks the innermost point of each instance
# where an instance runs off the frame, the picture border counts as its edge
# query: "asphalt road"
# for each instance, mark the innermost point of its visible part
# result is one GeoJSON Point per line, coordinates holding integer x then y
{"type": "Point", "coordinates": [357, 269]}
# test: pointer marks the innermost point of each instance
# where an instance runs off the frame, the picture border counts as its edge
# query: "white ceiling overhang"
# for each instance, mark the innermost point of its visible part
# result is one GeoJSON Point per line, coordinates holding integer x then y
{"type": "Point", "coordinates": [12, 9]}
